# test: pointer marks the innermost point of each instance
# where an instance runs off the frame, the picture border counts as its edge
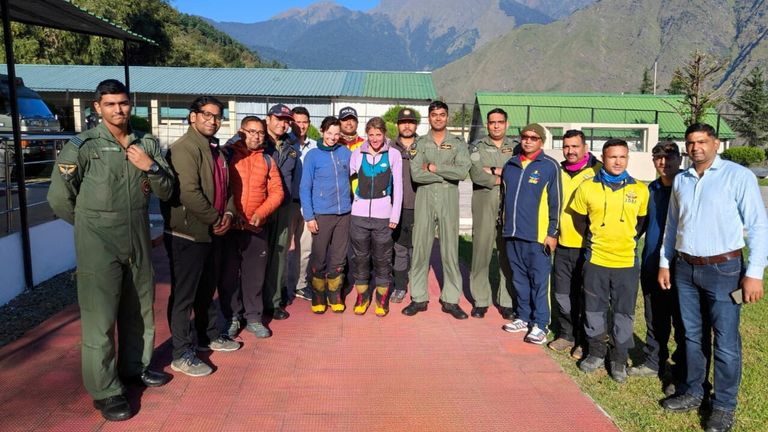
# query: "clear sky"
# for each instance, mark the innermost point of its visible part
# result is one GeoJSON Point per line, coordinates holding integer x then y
{"type": "Point", "coordinates": [248, 11]}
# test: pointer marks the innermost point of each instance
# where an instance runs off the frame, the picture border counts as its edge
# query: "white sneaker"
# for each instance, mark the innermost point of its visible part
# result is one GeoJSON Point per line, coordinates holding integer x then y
{"type": "Point", "coordinates": [536, 335]}
{"type": "Point", "coordinates": [515, 326]}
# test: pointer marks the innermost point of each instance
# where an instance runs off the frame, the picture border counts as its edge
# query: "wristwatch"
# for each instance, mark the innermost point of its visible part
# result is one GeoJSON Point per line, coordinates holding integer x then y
{"type": "Point", "coordinates": [154, 168]}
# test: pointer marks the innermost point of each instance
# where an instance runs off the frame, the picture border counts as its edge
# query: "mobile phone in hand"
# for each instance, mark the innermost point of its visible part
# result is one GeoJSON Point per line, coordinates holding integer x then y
{"type": "Point", "coordinates": [737, 296]}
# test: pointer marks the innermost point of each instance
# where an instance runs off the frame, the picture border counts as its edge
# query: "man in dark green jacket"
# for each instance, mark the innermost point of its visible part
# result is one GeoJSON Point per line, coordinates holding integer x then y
{"type": "Point", "coordinates": [101, 184]}
{"type": "Point", "coordinates": [196, 218]}
{"type": "Point", "coordinates": [440, 163]}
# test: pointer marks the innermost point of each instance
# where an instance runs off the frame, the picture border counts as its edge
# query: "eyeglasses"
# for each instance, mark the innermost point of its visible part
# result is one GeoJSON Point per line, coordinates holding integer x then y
{"type": "Point", "coordinates": [254, 132]}
{"type": "Point", "coordinates": [529, 137]}
{"type": "Point", "coordinates": [210, 116]}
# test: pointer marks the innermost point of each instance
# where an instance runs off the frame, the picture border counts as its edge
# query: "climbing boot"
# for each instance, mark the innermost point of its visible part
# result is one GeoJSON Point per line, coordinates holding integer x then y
{"type": "Point", "coordinates": [334, 293]}
{"type": "Point", "coordinates": [363, 298]}
{"type": "Point", "coordinates": [382, 300]}
{"type": "Point", "coordinates": [318, 294]}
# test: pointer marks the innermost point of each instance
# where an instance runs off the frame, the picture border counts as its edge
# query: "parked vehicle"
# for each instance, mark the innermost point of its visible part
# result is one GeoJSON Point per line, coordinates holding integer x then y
{"type": "Point", "coordinates": [34, 117]}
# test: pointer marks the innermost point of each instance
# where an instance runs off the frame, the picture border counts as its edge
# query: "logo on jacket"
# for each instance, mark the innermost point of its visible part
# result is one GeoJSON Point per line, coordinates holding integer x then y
{"type": "Point", "coordinates": [631, 198]}
{"type": "Point", "coordinates": [534, 177]}
{"type": "Point", "coordinates": [445, 146]}
{"type": "Point", "coordinates": [146, 187]}
{"type": "Point", "coordinates": [67, 171]}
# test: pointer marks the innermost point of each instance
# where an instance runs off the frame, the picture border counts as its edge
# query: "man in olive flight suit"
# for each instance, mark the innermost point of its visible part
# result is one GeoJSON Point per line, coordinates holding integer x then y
{"type": "Point", "coordinates": [101, 184]}
{"type": "Point", "coordinates": [440, 163]}
{"type": "Point", "coordinates": [488, 156]}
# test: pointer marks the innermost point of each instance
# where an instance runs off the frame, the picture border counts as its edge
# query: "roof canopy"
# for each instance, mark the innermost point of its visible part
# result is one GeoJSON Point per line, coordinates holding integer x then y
{"type": "Point", "coordinates": [63, 15]}
{"type": "Point", "coordinates": [594, 108]}
{"type": "Point", "coordinates": [235, 81]}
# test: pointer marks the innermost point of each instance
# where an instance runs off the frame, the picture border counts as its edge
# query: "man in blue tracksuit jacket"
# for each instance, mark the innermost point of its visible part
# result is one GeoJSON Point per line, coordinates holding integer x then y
{"type": "Point", "coordinates": [532, 199]}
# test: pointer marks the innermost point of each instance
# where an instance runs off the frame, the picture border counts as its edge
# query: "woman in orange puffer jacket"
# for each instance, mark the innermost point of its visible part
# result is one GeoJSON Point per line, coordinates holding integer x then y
{"type": "Point", "coordinates": [257, 191]}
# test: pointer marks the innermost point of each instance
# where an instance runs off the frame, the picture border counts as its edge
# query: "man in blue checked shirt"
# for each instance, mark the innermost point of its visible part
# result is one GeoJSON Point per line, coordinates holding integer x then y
{"type": "Point", "coordinates": [714, 202]}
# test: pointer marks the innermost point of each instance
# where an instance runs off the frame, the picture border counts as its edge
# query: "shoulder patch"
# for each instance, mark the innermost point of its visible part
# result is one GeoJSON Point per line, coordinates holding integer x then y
{"type": "Point", "coordinates": [67, 171]}
{"type": "Point", "coordinates": [473, 148]}
{"type": "Point", "coordinates": [77, 140]}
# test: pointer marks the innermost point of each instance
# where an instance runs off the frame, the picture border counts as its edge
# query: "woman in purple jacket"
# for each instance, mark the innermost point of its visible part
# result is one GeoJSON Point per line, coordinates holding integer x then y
{"type": "Point", "coordinates": [376, 207]}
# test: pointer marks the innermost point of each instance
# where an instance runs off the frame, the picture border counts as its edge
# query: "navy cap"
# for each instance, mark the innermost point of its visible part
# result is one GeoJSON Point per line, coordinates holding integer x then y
{"type": "Point", "coordinates": [347, 111]}
{"type": "Point", "coordinates": [281, 110]}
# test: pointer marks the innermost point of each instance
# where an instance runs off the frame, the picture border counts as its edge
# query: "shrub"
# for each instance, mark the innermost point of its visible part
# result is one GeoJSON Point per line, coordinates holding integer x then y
{"type": "Point", "coordinates": [314, 133]}
{"type": "Point", "coordinates": [744, 155]}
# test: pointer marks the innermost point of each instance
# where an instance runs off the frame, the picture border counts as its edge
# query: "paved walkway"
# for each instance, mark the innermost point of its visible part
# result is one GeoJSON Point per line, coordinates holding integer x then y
{"type": "Point", "coordinates": [330, 372]}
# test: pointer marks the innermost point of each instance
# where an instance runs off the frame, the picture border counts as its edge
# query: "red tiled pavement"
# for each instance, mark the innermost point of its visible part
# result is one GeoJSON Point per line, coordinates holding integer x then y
{"type": "Point", "coordinates": [331, 372]}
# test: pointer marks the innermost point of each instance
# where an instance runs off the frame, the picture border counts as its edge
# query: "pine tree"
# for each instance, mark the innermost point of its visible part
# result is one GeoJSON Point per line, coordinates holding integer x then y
{"type": "Point", "coordinates": [646, 87]}
{"type": "Point", "coordinates": [694, 80]}
{"type": "Point", "coordinates": [676, 84]}
{"type": "Point", "coordinates": [752, 105]}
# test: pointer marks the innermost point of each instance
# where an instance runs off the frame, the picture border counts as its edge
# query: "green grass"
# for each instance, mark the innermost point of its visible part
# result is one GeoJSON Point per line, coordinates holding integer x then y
{"type": "Point", "coordinates": [634, 406]}
{"type": "Point", "coordinates": [762, 181]}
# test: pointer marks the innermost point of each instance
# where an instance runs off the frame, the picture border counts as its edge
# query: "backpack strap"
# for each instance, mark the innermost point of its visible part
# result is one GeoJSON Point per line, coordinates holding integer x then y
{"type": "Point", "coordinates": [268, 160]}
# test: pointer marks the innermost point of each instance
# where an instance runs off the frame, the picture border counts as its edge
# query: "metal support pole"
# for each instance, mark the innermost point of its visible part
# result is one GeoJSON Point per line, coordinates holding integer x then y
{"type": "Point", "coordinates": [19, 157]}
{"type": "Point", "coordinates": [125, 66]}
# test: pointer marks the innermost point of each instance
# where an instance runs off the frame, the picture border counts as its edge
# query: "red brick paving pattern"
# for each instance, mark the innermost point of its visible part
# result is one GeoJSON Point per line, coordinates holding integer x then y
{"type": "Point", "coordinates": [334, 372]}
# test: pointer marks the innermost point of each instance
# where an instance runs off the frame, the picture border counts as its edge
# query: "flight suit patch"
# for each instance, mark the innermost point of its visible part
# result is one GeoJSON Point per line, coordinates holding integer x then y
{"type": "Point", "coordinates": [412, 152]}
{"type": "Point", "coordinates": [475, 156]}
{"type": "Point", "coordinates": [445, 146]}
{"type": "Point", "coordinates": [146, 187]}
{"type": "Point", "coordinates": [67, 171]}
{"type": "Point", "coordinates": [507, 150]}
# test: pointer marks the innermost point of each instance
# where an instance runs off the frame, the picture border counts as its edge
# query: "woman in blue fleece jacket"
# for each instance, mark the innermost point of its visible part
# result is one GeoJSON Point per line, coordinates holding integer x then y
{"type": "Point", "coordinates": [326, 202]}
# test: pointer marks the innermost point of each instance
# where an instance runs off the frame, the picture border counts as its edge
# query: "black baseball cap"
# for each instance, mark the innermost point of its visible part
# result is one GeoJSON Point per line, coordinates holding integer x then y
{"type": "Point", "coordinates": [347, 111]}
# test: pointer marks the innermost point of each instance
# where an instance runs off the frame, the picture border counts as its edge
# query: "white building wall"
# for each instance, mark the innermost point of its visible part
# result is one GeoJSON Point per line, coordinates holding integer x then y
{"type": "Point", "coordinates": [53, 252]}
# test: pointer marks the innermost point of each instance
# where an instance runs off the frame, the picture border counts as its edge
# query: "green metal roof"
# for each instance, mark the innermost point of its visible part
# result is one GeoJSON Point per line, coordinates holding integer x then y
{"type": "Point", "coordinates": [523, 108]}
{"type": "Point", "coordinates": [234, 81]}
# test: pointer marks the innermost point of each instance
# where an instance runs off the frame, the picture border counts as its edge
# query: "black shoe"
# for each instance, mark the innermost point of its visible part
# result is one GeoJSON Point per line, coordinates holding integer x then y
{"type": "Point", "coordinates": [720, 421]}
{"type": "Point", "coordinates": [152, 378]}
{"type": "Point", "coordinates": [507, 313]}
{"type": "Point", "coordinates": [113, 408]}
{"type": "Point", "coordinates": [619, 372]}
{"type": "Point", "coordinates": [681, 403]}
{"type": "Point", "coordinates": [415, 307]}
{"type": "Point", "coordinates": [479, 311]}
{"type": "Point", "coordinates": [454, 310]}
{"type": "Point", "coordinates": [280, 314]}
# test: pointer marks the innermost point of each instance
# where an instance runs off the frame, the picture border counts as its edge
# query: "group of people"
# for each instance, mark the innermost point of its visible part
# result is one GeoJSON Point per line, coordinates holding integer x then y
{"type": "Point", "coordinates": [362, 213]}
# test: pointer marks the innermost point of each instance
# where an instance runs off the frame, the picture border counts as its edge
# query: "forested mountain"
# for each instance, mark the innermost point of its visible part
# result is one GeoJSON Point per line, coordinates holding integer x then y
{"type": "Point", "coordinates": [396, 35]}
{"type": "Point", "coordinates": [182, 40]}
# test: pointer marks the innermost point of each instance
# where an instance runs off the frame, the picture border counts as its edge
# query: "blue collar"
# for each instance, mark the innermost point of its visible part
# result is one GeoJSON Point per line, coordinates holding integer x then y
{"type": "Point", "coordinates": [608, 178]}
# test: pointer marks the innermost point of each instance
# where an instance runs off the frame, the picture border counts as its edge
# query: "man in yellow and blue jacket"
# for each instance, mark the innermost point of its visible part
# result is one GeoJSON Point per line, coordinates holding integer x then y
{"type": "Point", "coordinates": [532, 200]}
